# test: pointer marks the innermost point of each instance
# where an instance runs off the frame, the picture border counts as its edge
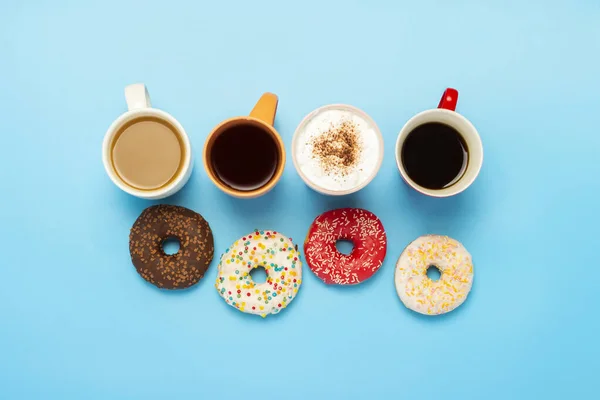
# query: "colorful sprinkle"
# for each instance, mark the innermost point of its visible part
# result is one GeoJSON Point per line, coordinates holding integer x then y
{"type": "Point", "coordinates": [278, 290]}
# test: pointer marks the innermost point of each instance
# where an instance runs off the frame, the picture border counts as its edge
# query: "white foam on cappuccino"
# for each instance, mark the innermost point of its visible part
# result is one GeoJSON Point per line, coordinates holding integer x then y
{"type": "Point", "coordinates": [367, 151]}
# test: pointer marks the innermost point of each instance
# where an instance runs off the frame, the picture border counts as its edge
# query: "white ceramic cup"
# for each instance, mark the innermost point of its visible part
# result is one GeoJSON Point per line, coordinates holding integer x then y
{"type": "Point", "coordinates": [445, 114]}
{"type": "Point", "coordinates": [138, 103]}
{"type": "Point", "coordinates": [378, 158]}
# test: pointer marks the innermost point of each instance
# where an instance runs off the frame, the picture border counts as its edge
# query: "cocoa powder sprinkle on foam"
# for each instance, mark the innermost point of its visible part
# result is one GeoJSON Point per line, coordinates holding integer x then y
{"type": "Point", "coordinates": [338, 149]}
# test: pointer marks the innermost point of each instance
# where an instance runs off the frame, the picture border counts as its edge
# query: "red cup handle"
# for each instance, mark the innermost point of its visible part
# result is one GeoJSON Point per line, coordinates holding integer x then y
{"type": "Point", "coordinates": [449, 99]}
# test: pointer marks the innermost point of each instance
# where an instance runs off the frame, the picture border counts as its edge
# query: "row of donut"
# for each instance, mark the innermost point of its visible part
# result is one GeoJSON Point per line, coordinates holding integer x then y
{"type": "Point", "coordinates": [281, 260]}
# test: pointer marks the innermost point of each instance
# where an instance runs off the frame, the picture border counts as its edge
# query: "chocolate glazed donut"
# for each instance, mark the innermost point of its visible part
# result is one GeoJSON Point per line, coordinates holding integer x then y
{"type": "Point", "coordinates": [182, 269]}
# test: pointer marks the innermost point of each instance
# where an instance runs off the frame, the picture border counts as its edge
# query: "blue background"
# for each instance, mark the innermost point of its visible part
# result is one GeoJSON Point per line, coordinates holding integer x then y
{"type": "Point", "coordinates": [76, 321]}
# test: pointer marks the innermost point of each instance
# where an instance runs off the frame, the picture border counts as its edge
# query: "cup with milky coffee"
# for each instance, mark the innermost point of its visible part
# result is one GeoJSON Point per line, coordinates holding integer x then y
{"type": "Point", "coordinates": [337, 149]}
{"type": "Point", "coordinates": [146, 151]}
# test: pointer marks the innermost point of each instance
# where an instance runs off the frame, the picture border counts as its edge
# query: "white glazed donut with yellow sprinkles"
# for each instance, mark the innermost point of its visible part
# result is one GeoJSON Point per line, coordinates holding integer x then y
{"type": "Point", "coordinates": [423, 295]}
{"type": "Point", "coordinates": [280, 258]}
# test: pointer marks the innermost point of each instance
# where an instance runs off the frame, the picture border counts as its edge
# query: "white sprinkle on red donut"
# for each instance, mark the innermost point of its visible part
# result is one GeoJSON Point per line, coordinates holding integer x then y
{"type": "Point", "coordinates": [359, 226]}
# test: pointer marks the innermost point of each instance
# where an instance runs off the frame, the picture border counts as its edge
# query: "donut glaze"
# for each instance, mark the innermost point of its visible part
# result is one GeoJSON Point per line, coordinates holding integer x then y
{"type": "Point", "coordinates": [280, 258]}
{"type": "Point", "coordinates": [423, 295]}
{"type": "Point", "coordinates": [176, 271]}
{"type": "Point", "coordinates": [359, 226]}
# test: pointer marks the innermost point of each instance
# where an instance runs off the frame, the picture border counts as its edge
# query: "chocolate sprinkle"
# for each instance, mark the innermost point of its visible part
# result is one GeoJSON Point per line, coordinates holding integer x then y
{"type": "Point", "coordinates": [182, 269]}
{"type": "Point", "coordinates": [338, 149]}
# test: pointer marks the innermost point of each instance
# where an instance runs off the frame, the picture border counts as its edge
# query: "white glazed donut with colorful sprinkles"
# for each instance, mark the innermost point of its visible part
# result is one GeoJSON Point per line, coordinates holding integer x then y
{"type": "Point", "coordinates": [423, 295]}
{"type": "Point", "coordinates": [278, 255]}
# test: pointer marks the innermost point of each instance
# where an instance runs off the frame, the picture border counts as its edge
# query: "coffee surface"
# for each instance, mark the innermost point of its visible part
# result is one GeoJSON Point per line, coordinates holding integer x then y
{"type": "Point", "coordinates": [338, 148]}
{"type": "Point", "coordinates": [244, 157]}
{"type": "Point", "coordinates": [147, 153]}
{"type": "Point", "coordinates": [434, 155]}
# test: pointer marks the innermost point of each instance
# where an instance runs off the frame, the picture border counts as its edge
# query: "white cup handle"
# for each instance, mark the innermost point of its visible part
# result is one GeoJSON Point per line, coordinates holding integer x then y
{"type": "Point", "coordinates": [137, 96]}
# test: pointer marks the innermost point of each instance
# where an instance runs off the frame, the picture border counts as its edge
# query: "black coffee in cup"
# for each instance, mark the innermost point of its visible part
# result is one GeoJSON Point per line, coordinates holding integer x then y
{"type": "Point", "coordinates": [244, 157]}
{"type": "Point", "coordinates": [434, 155]}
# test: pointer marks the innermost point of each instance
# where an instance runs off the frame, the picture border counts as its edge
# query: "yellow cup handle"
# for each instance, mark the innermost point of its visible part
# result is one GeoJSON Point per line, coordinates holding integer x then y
{"type": "Point", "coordinates": [265, 108]}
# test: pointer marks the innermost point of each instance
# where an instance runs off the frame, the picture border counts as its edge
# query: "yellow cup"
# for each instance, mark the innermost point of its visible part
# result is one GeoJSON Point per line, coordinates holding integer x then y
{"type": "Point", "coordinates": [262, 117]}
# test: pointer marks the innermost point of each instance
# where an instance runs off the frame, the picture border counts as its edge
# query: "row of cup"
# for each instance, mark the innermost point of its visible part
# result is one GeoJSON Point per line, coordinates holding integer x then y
{"type": "Point", "coordinates": [261, 119]}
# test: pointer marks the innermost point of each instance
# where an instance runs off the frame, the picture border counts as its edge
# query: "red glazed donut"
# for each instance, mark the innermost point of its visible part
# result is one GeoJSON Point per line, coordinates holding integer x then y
{"type": "Point", "coordinates": [359, 226]}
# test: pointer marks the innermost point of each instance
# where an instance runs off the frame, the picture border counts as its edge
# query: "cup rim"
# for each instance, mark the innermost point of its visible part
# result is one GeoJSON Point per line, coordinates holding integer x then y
{"type": "Point", "coordinates": [154, 193]}
{"type": "Point", "coordinates": [363, 115]}
{"type": "Point", "coordinates": [439, 193]}
{"type": "Point", "coordinates": [220, 127]}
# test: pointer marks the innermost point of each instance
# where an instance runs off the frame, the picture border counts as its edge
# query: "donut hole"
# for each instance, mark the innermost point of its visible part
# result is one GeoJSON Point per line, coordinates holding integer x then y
{"type": "Point", "coordinates": [259, 275]}
{"type": "Point", "coordinates": [171, 246]}
{"type": "Point", "coordinates": [344, 246]}
{"type": "Point", "coordinates": [434, 273]}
